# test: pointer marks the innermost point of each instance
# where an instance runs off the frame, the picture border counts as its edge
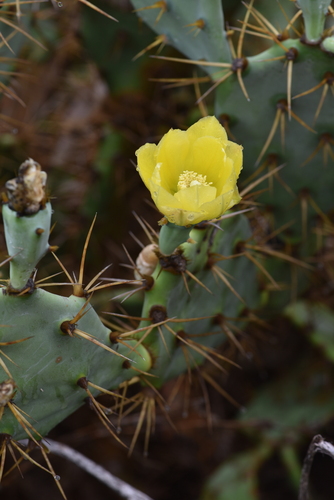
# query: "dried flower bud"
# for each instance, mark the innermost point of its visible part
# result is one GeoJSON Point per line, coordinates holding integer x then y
{"type": "Point", "coordinates": [7, 389]}
{"type": "Point", "coordinates": [26, 193]}
{"type": "Point", "coordinates": [146, 261]}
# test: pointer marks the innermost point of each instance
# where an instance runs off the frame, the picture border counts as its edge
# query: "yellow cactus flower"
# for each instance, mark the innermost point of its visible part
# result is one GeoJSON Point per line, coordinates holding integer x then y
{"type": "Point", "coordinates": [192, 174]}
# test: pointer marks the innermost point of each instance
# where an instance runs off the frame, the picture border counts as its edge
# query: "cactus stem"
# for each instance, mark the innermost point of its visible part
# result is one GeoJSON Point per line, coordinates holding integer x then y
{"type": "Point", "coordinates": [314, 13]}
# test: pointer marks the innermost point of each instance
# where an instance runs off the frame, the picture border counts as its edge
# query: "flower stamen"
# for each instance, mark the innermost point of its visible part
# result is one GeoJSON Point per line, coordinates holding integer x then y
{"type": "Point", "coordinates": [189, 178]}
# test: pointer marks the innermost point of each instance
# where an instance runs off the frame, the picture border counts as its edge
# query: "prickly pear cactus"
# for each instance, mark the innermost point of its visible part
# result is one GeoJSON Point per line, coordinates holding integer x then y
{"type": "Point", "coordinates": [56, 353]}
{"type": "Point", "coordinates": [278, 103]}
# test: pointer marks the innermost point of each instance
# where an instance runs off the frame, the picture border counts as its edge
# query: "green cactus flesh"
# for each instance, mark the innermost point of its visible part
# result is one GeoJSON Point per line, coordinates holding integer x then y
{"type": "Point", "coordinates": [49, 363]}
{"type": "Point", "coordinates": [54, 355]}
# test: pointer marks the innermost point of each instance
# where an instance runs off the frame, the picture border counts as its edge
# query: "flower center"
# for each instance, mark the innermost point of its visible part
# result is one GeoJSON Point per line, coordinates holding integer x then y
{"type": "Point", "coordinates": [189, 178]}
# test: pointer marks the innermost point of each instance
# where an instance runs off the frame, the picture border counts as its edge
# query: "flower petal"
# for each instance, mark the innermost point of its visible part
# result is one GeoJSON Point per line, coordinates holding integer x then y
{"type": "Point", "coordinates": [208, 126]}
{"type": "Point", "coordinates": [207, 157]}
{"type": "Point", "coordinates": [234, 151]}
{"type": "Point", "coordinates": [192, 198]}
{"type": "Point", "coordinates": [173, 150]}
{"type": "Point", "coordinates": [146, 159]}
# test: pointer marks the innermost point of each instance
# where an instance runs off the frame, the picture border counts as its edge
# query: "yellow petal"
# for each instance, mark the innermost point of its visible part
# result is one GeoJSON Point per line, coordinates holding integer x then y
{"type": "Point", "coordinates": [192, 198]}
{"type": "Point", "coordinates": [208, 126]}
{"type": "Point", "coordinates": [172, 153]}
{"type": "Point", "coordinates": [207, 157]}
{"type": "Point", "coordinates": [162, 197]}
{"type": "Point", "coordinates": [234, 151]}
{"type": "Point", "coordinates": [146, 162]}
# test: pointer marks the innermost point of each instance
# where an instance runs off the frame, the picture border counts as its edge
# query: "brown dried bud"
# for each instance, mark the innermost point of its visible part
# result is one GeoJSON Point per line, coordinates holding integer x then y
{"type": "Point", "coordinates": [7, 389]}
{"type": "Point", "coordinates": [26, 193]}
{"type": "Point", "coordinates": [146, 261]}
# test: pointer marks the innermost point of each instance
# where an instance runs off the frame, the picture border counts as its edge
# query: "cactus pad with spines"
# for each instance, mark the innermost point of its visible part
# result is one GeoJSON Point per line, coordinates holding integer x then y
{"type": "Point", "coordinates": [56, 351]}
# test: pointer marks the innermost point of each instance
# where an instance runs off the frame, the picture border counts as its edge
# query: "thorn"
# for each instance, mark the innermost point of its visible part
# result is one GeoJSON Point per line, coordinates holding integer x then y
{"type": "Point", "coordinates": [92, 339]}
{"type": "Point", "coordinates": [20, 30]}
{"type": "Point", "coordinates": [262, 269]}
{"type": "Point", "coordinates": [201, 105]}
{"type": "Point", "coordinates": [192, 276]}
{"type": "Point", "coordinates": [78, 290]}
{"type": "Point", "coordinates": [325, 141]}
{"type": "Point", "coordinates": [196, 27]}
{"type": "Point", "coordinates": [162, 5]}
{"type": "Point", "coordinates": [271, 134]}
{"type": "Point", "coordinates": [193, 61]}
{"type": "Point", "coordinates": [261, 179]}
{"type": "Point", "coordinates": [161, 40]}
{"type": "Point", "coordinates": [292, 21]}
{"type": "Point", "coordinates": [216, 84]}
{"type": "Point", "coordinates": [92, 6]}
{"type": "Point", "coordinates": [243, 29]}
{"type": "Point", "coordinates": [220, 273]}
{"type": "Point", "coordinates": [219, 389]}
{"type": "Point", "coordinates": [242, 85]}
{"type": "Point", "coordinates": [280, 255]}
